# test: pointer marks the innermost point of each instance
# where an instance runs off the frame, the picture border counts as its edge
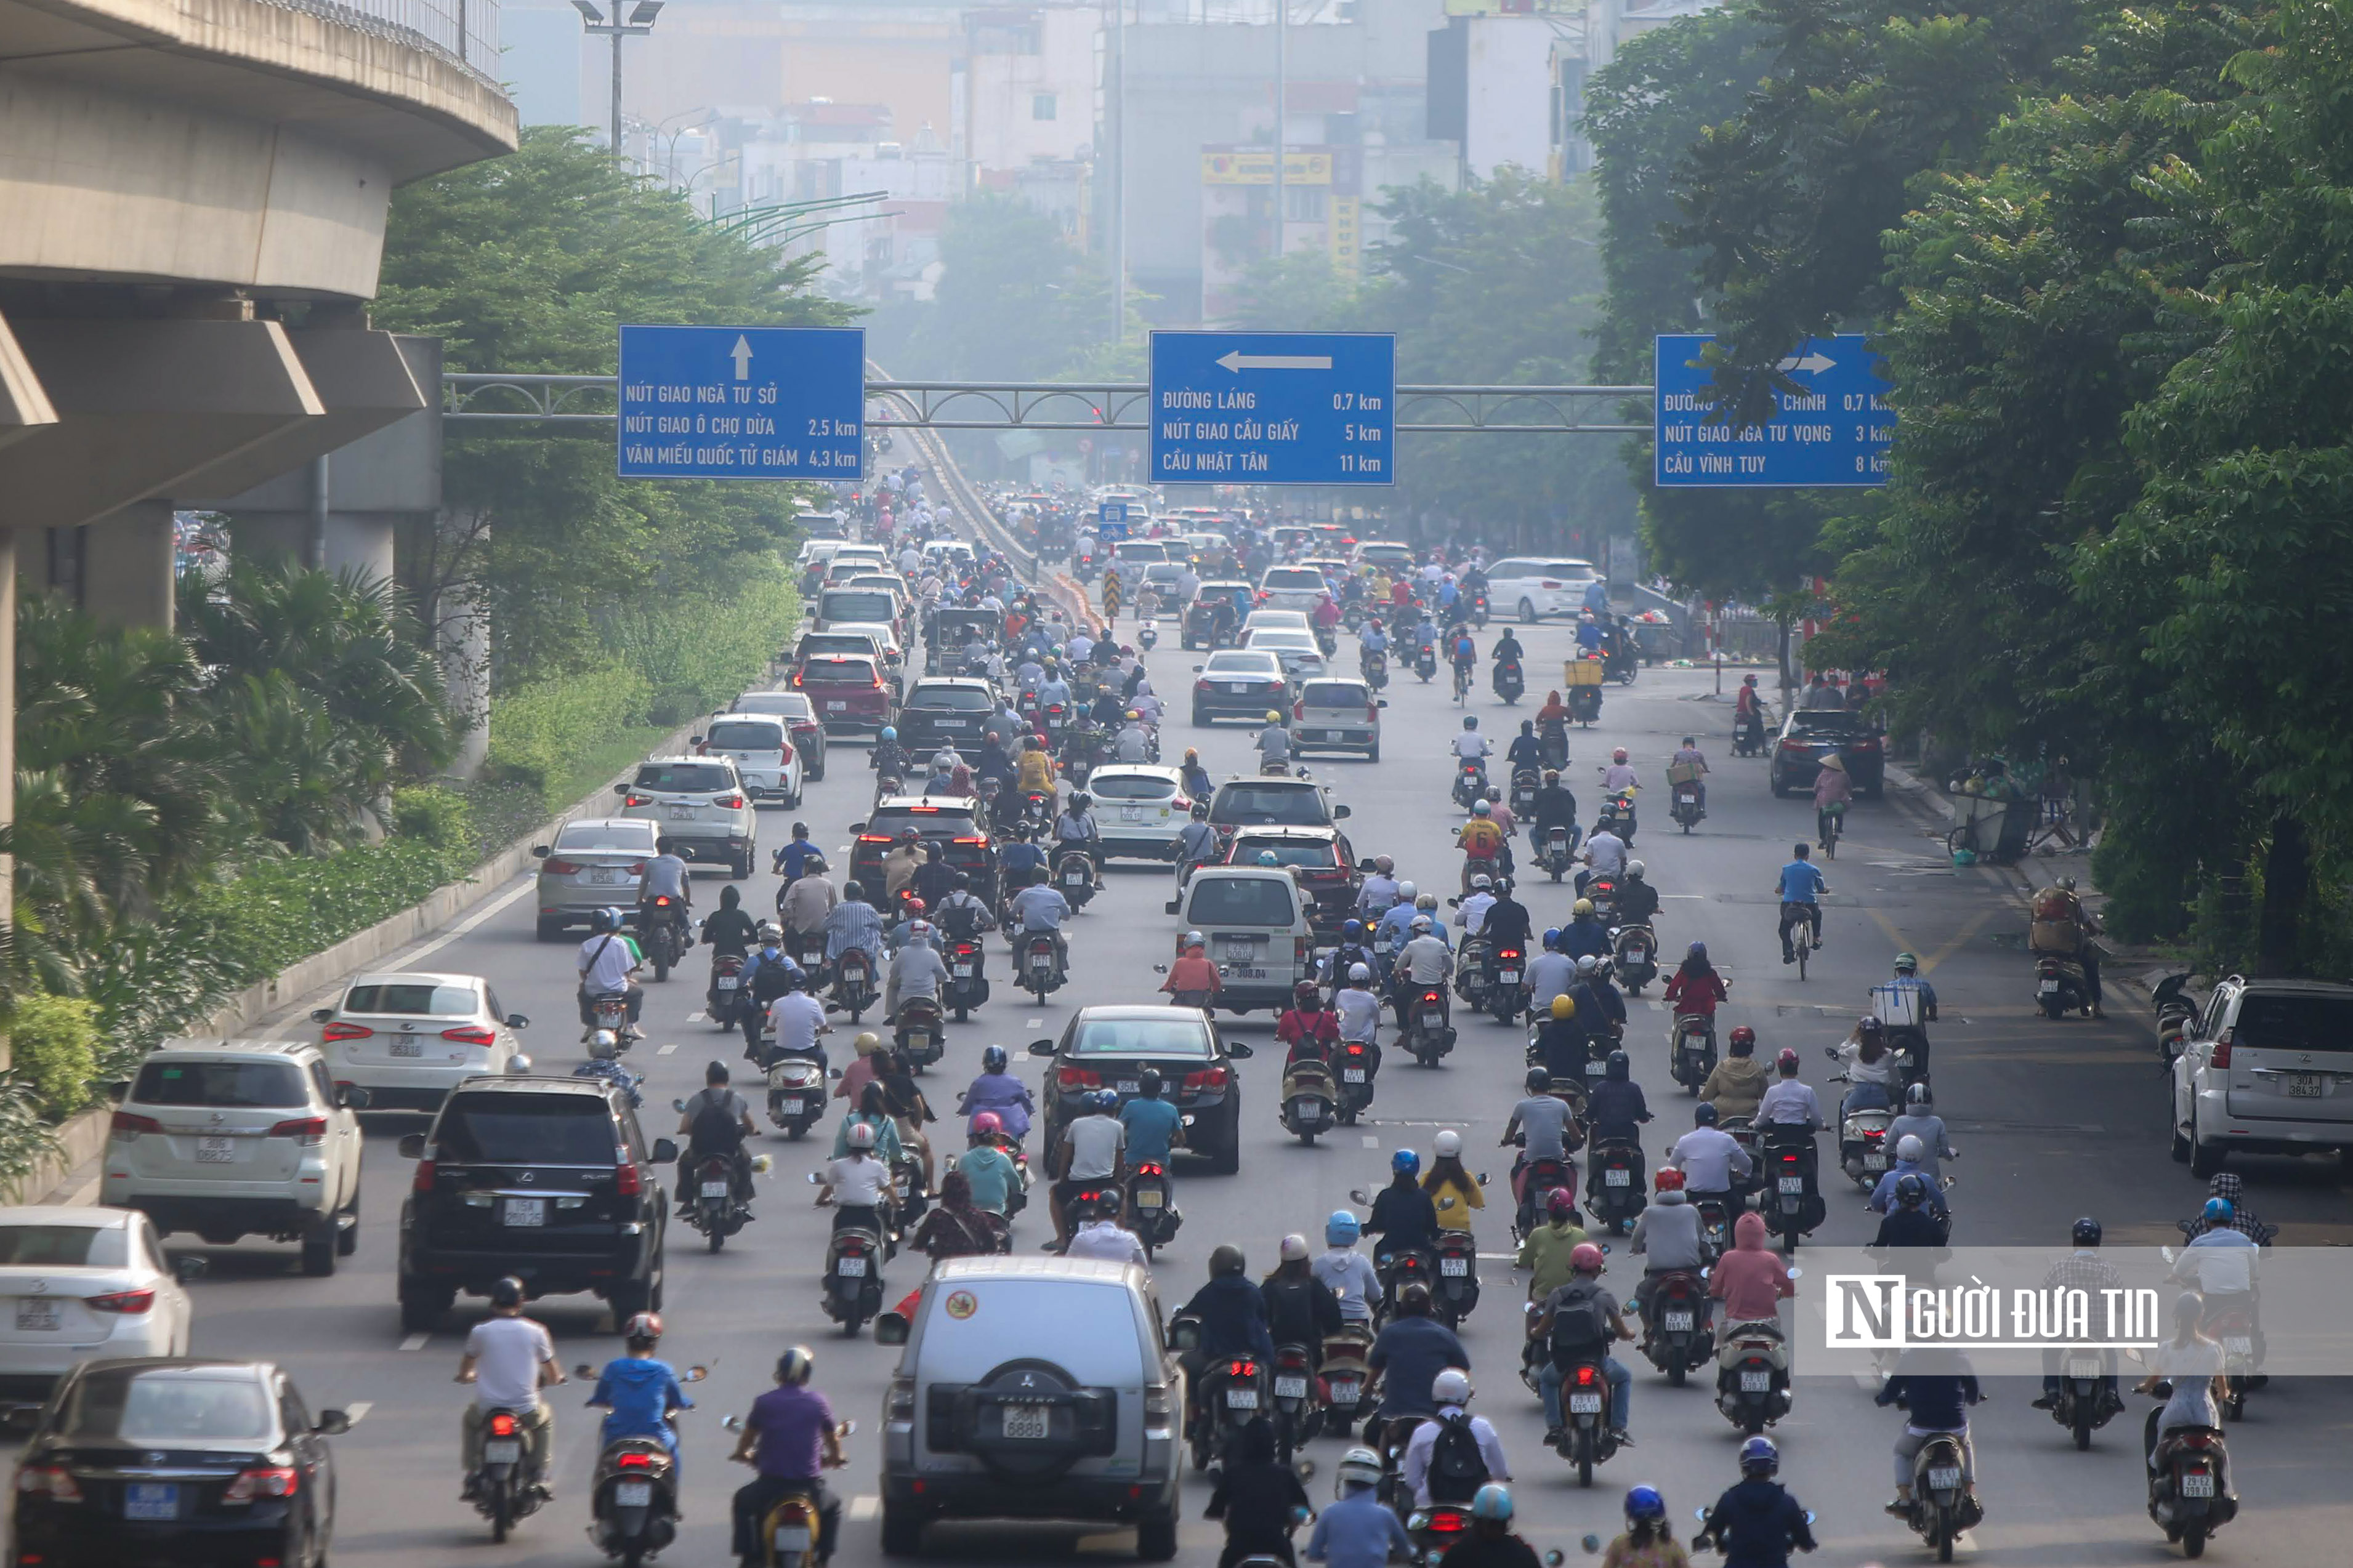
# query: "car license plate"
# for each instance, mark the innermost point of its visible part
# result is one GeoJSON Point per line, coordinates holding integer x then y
{"type": "Point", "coordinates": [2303, 1085]}
{"type": "Point", "coordinates": [2238, 1344]}
{"type": "Point", "coordinates": [523, 1212]}
{"type": "Point", "coordinates": [216, 1150]}
{"type": "Point", "coordinates": [714, 1189]}
{"type": "Point", "coordinates": [1585, 1403]}
{"type": "Point", "coordinates": [502, 1451]}
{"type": "Point", "coordinates": [1944, 1478]}
{"type": "Point", "coordinates": [1150, 1198]}
{"type": "Point", "coordinates": [151, 1500]}
{"type": "Point", "coordinates": [1351, 1075]}
{"type": "Point", "coordinates": [2085, 1367]}
{"type": "Point", "coordinates": [405, 1046]}
{"type": "Point", "coordinates": [788, 1106]}
{"type": "Point", "coordinates": [633, 1494]}
{"type": "Point", "coordinates": [837, 707]}
{"type": "Point", "coordinates": [1236, 686]}
{"type": "Point", "coordinates": [1756, 1381]}
{"type": "Point", "coordinates": [1291, 1388]}
{"type": "Point", "coordinates": [1509, 977]}
{"type": "Point", "coordinates": [604, 875]}
{"type": "Point", "coordinates": [1131, 813]}
{"type": "Point", "coordinates": [1617, 1178]}
{"type": "Point", "coordinates": [1026, 1422]}
{"type": "Point", "coordinates": [1793, 1183]}
{"type": "Point", "coordinates": [37, 1315]}
{"type": "Point", "coordinates": [683, 812]}
{"type": "Point", "coordinates": [1130, 1086]}
{"type": "Point", "coordinates": [2198, 1484]}
{"type": "Point", "coordinates": [1241, 1399]}
{"type": "Point", "coordinates": [850, 1267]}
{"type": "Point", "coordinates": [1679, 1322]}
{"type": "Point", "coordinates": [1454, 1268]}
{"type": "Point", "coordinates": [964, 971]}
{"type": "Point", "coordinates": [1873, 1159]}
{"type": "Point", "coordinates": [2048, 988]}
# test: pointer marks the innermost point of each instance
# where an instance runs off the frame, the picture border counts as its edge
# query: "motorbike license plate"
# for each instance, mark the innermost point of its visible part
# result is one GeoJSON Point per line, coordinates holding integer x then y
{"type": "Point", "coordinates": [1595, 1070]}
{"type": "Point", "coordinates": [1029, 1422]}
{"type": "Point", "coordinates": [2198, 1484]}
{"type": "Point", "coordinates": [151, 1500]}
{"type": "Point", "coordinates": [1304, 1107]}
{"type": "Point", "coordinates": [1150, 1198]}
{"type": "Point", "coordinates": [1351, 1075]}
{"type": "Point", "coordinates": [522, 1212]}
{"type": "Point", "coordinates": [2048, 988]}
{"type": "Point", "coordinates": [837, 707]}
{"type": "Point", "coordinates": [964, 971]}
{"type": "Point", "coordinates": [1679, 1322]}
{"type": "Point", "coordinates": [1509, 977]}
{"type": "Point", "coordinates": [502, 1451]}
{"type": "Point", "coordinates": [604, 875]}
{"type": "Point", "coordinates": [36, 1315]}
{"type": "Point", "coordinates": [1454, 1268]}
{"type": "Point", "coordinates": [899, 1189]}
{"type": "Point", "coordinates": [407, 1047]}
{"type": "Point", "coordinates": [850, 1267]}
{"type": "Point", "coordinates": [1585, 1403]}
{"type": "Point", "coordinates": [2238, 1344]}
{"type": "Point", "coordinates": [2085, 1367]}
{"type": "Point", "coordinates": [1945, 1478]}
{"type": "Point", "coordinates": [1074, 878]}
{"type": "Point", "coordinates": [1617, 1178]}
{"type": "Point", "coordinates": [2303, 1085]}
{"type": "Point", "coordinates": [1792, 1185]}
{"type": "Point", "coordinates": [714, 1189]}
{"type": "Point", "coordinates": [1756, 1381]}
{"type": "Point", "coordinates": [216, 1150]}
{"type": "Point", "coordinates": [1873, 1159]}
{"type": "Point", "coordinates": [728, 983]}
{"type": "Point", "coordinates": [1041, 963]}
{"type": "Point", "coordinates": [788, 1106]}
{"type": "Point", "coordinates": [918, 1040]}
{"type": "Point", "coordinates": [791, 1538]}
{"type": "Point", "coordinates": [1345, 1391]}
{"type": "Point", "coordinates": [633, 1494]}
{"type": "Point", "coordinates": [1291, 1388]}
{"type": "Point", "coordinates": [1241, 1399]}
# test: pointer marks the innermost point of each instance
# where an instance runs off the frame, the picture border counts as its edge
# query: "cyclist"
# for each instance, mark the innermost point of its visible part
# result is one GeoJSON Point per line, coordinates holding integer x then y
{"type": "Point", "coordinates": [1802, 887]}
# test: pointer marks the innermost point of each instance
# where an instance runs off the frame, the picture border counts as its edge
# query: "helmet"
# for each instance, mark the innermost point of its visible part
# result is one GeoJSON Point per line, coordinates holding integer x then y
{"type": "Point", "coordinates": [890, 732]}
{"type": "Point", "coordinates": [861, 1135]}
{"type": "Point", "coordinates": [507, 1293]}
{"type": "Point", "coordinates": [1448, 1144]}
{"type": "Point", "coordinates": [1272, 717]}
{"type": "Point", "coordinates": [1359, 1467]}
{"type": "Point", "coordinates": [1342, 1228]}
{"type": "Point", "coordinates": [1697, 950]}
{"type": "Point", "coordinates": [1303, 992]}
{"type": "Point", "coordinates": [1481, 882]}
{"type": "Point", "coordinates": [867, 1043]}
{"type": "Point", "coordinates": [1492, 1502]}
{"type": "Point", "coordinates": [1405, 892]}
{"type": "Point", "coordinates": [1759, 1457]}
{"type": "Point", "coordinates": [601, 921]}
{"type": "Point", "coordinates": [2067, 884]}
{"type": "Point", "coordinates": [1480, 808]}
{"type": "Point", "coordinates": [1587, 965]}
{"type": "Point", "coordinates": [1539, 1080]}
{"type": "Point", "coordinates": [1226, 1258]}
{"type": "Point", "coordinates": [603, 1044]}
{"type": "Point", "coordinates": [1786, 1061]}
{"type": "Point", "coordinates": [1582, 908]}
{"type": "Point", "coordinates": [1200, 811]}
{"type": "Point", "coordinates": [1560, 1206]}
{"type": "Point", "coordinates": [1618, 755]}
{"type": "Point", "coordinates": [1911, 1191]}
{"type": "Point", "coordinates": [1551, 938]}
{"type": "Point", "coordinates": [2087, 1232]}
{"type": "Point", "coordinates": [1563, 1007]}
{"type": "Point", "coordinates": [1267, 857]}
{"type": "Point", "coordinates": [1452, 1386]}
{"type": "Point", "coordinates": [1470, 721]}
{"type": "Point", "coordinates": [993, 1060]}
{"type": "Point", "coordinates": [1193, 939]}
{"type": "Point", "coordinates": [1294, 1249]}
{"type": "Point", "coordinates": [1869, 1028]}
{"type": "Point", "coordinates": [1644, 1502]}
{"type": "Point", "coordinates": [1906, 964]}
{"type": "Point", "coordinates": [1105, 1100]}
{"type": "Point", "coordinates": [1668, 1180]}
{"type": "Point", "coordinates": [1149, 1080]}
{"type": "Point", "coordinates": [985, 1124]}
{"type": "Point", "coordinates": [643, 1329]}
{"type": "Point", "coordinates": [1352, 929]}
{"type": "Point", "coordinates": [1704, 1114]}
{"type": "Point", "coordinates": [1744, 1035]}
{"type": "Point", "coordinates": [1420, 923]}
{"type": "Point", "coordinates": [1917, 1095]}
{"type": "Point", "coordinates": [1634, 874]}
{"type": "Point", "coordinates": [796, 1364]}
{"type": "Point", "coordinates": [1495, 792]}
{"type": "Point", "coordinates": [1359, 972]}
{"type": "Point", "coordinates": [1405, 1163]}
{"type": "Point", "coordinates": [1585, 1258]}
{"type": "Point", "coordinates": [2218, 1211]}
{"type": "Point", "coordinates": [1909, 1147]}
{"type": "Point", "coordinates": [1384, 865]}
{"type": "Point", "coordinates": [1425, 900]}
{"type": "Point", "coordinates": [1619, 1065]}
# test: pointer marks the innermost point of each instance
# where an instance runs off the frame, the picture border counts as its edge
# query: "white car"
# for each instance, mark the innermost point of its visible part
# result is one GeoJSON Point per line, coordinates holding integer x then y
{"type": "Point", "coordinates": [408, 1039]}
{"type": "Point", "coordinates": [594, 864]}
{"type": "Point", "coordinates": [1292, 588]}
{"type": "Point", "coordinates": [82, 1284]}
{"type": "Point", "coordinates": [761, 747]}
{"type": "Point", "coordinates": [1302, 655]}
{"type": "Point", "coordinates": [1531, 587]}
{"type": "Point", "coordinates": [1140, 809]}
{"type": "Point", "coordinates": [2267, 1067]}
{"type": "Point", "coordinates": [235, 1138]}
{"type": "Point", "coordinates": [1279, 620]}
{"type": "Point", "coordinates": [698, 804]}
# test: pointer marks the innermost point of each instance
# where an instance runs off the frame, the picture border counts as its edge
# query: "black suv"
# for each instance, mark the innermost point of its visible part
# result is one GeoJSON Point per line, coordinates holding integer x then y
{"type": "Point", "coordinates": [1109, 1047]}
{"type": "Point", "coordinates": [955, 822]}
{"type": "Point", "coordinates": [548, 1179]}
{"type": "Point", "coordinates": [945, 710]}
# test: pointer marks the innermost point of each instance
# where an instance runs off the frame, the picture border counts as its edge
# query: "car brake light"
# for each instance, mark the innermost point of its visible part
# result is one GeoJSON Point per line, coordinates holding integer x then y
{"type": "Point", "coordinates": [729, 802]}
{"type": "Point", "coordinates": [2221, 1057]}
{"type": "Point", "coordinates": [308, 1130]}
{"type": "Point", "coordinates": [1792, 743]}
{"type": "Point", "coordinates": [1202, 685]}
{"type": "Point", "coordinates": [626, 1181]}
{"type": "Point", "coordinates": [1208, 1077]}
{"type": "Point", "coordinates": [797, 682]}
{"type": "Point", "coordinates": [874, 838]}
{"type": "Point", "coordinates": [55, 1480]}
{"type": "Point", "coordinates": [637, 800]}
{"type": "Point", "coordinates": [1302, 950]}
{"type": "Point", "coordinates": [423, 1181]}
{"type": "Point", "coordinates": [560, 868]}
{"type": "Point", "coordinates": [1077, 1077]}
{"type": "Point", "coordinates": [1372, 712]}
{"type": "Point", "coordinates": [271, 1481]}
{"type": "Point", "coordinates": [129, 1303]}
{"type": "Point", "coordinates": [471, 1034]}
{"type": "Point", "coordinates": [342, 1031]}
{"type": "Point", "coordinates": [1299, 709]}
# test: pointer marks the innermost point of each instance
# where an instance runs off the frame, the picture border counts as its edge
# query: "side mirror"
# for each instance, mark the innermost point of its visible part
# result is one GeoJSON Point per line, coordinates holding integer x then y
{"type": "Point", "coordinates": [1338, 811]}
{"type": "Point", "coordinates": [1356, 1195]}
{"type": "Point", "coordinates": [412, 1145]}
{"type": "Point", "coordinates": [22, 1420]}
{"type": "Point", "coordinates": [1197, 670]}
{"type": "Point", "coordinates": [1383, 702]}
{"type": "Point", "coordinates": [1240, 1051]}
{"type": "Point", "coordinates": [584, 1371]}
{"type": "Point", "coordinates": [1793, 1271]}
{"type": "Point", "coordinates": [1041, 1048]}
{"type": "Point", "coordinates": [891, 1329]}
{"type": "Point", "coordinates": [518, 1065]}
{"type": "Point", "coordinates": [694, 740]}
{"type": "Point", "coordinates": [116, 1090]}
{"type": "Point", "coordinates": [665, 1151]}
{"type": "Point", "coordinates": [539, 851]}
{"type": "Point", "coordinates": [858, 827]}
{"type": "Point", "coordinates": [332, 1424]}
{"type": "Point", "coordinates": [621, 789]}
{"type": "Point", "coordinates": [352, 1096]}
{"type": "Point", "coordinates": [190, 1267]}
{"type": "Point", "coordinates": [679, 1106]}
{"type": "Point", "coordinates": [320, 1015]}
{"type": "Point", "coordinates": [517, 1021]}
{"type": "Point", "coordinates": [1184, 1335]}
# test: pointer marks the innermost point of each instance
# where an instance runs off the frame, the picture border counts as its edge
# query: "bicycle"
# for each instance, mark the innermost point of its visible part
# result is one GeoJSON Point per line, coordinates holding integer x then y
{"type": "Point", "coordinates": [1797, 918]}
{"type": "Point", "coordinates": [1829, 820]}
{"type": "Point", "coordinates": [1461, 684]}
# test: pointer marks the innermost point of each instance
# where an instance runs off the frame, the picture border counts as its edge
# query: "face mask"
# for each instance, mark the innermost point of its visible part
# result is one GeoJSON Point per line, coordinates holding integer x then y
{"type": "Point", "coordinates": [768, 952]}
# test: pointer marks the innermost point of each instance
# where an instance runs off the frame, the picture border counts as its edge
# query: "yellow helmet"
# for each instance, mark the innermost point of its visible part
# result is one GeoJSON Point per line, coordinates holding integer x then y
{"type": "Point", "coordinates": [1563, 1007]}
{"type": "Point", "coordinates": [869, 1042]}
{"type": "Point", "coordinates": [1582, 907]}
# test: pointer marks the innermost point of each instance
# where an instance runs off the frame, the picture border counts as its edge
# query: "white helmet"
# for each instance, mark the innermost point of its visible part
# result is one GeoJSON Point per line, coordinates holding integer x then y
{"type": "Point", "coordinates": [1589, 964]}
{"type": "Point", "coordinates": [1425, 900]}
{"type": "Point", "coordinates": [1447, 1143]}
{"type": "Point", "coordinates": [1193, 939]}
{"type": "Point", "coordinates": [861, 1135]}
{"type": "Point", "coordinates": [1452, 1386]}
{"type": "Point", "coordinates": [1421, 924]}
{"type": "Point", "coordinates": [1405, 892]}
{"type": "Point", "coordinates": [604, 1045]}
{"type": "Point", "coordinates": [1359, 1467]}
{"type": "Point", "coordinates": [1482, 881]}
{"type": "Point", "coordinates": [1294, 1248]}
{"type": "Point", "coordinates": [1358, 972]}
{"type": "Point", "coordinates": [1909, 1147]}
{"type": "Point", "coordinates": [1480, 808]}
{"type": "Point", "coordinates": [1634, 871]}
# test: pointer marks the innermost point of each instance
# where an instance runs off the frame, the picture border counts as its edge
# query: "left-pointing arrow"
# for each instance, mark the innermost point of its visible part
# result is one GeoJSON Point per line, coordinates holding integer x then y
{"type": "Point", "coordinates": [741, 354]}
{"type": "Point", "coordinates": [1237, 361]}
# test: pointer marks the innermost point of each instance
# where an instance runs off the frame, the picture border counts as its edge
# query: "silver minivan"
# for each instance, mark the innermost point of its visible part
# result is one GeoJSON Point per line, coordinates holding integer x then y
{"type": "Point", "coordinates": [1032, 1388]}
{"type": "Point", "coordinates": [1255, 921]}
{"type": "Point", "coordinates": [1337, 716]}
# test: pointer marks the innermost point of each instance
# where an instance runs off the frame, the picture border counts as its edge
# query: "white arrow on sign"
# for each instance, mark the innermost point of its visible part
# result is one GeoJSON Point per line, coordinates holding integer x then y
{"type": "Point", "coordinates": [1239, 362]}
{"type": "Point", "coordinates": [741, 354]}
{"type": "Point", "coordinates": [1813, 364]}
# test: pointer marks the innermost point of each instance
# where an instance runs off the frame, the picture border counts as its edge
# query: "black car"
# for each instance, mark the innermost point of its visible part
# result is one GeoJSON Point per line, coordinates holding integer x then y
{"type": "Point", "coordinates": [1199, 611]}
{"type": "Point", "coordinates": [1809, 735]}
{"type": "Point", "coordinates": [1239, 683]}
{"type": "Point", "coordinates": [174, 1462]}
{"type": "Point", "coordinates": [548, 1179]}
{"type": "Point", "coordinates": [955, 822]}
{"type": "Point", "coordinates": [944, 711]}
{"type": "Point", "coordinates": [1109, 1047]}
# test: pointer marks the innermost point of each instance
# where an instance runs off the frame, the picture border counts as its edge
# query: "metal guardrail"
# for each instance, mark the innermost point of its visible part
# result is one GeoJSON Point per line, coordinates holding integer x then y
{"type": "Point", "coordinates": [1062, 405]}
{"type": "Point", "coordinates": [466, 31]}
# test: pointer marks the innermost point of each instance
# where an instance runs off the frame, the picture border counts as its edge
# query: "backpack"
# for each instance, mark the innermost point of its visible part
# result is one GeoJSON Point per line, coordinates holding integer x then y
{"type": "Point", "coordinates": [1457, 1469]}
{"type": "Point", "coordinates": [1579, 1327]}
{"type": "Point", "coordinates": [715, 1131]}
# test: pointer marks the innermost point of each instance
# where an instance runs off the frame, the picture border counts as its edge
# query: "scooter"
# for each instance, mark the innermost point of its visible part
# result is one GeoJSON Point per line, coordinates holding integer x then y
{"type": "Point", "coordinates": [1691, 1054]}
{"type": "Point", "coordinates": [1585, 705]}
{"type": "Point", "coordinates": [2189, 1495]}
{"type": "Point", "coordinates": [2085, 1403]}
{"type": "Point", "coordinates": [1613, 1188]}
{"type": "Point", "coordinates": [1523, 791]}
{"type": "Point", "coordinates": [1944, 1505]}
{"type": "Point", "coordinates": [1752, 1376]}
{"type": "Point", "coordinates": [853, 983]}
{"type": "Point", "coordinates": [1686, 808]}
{"type": "Point", "coordinates": [1618, 815]}
{"type": "Point", "coordinates": [1147, 635]}
{"type": "Point", "coordinates": [1457, 1293]}
{"type": "Point", "coordinates": [1427, 1036]}
{"type": "Point", "coordinates": [1470, 781]}
{"type": "Point", "coordinates": [2060, 987]}
{"type": "Point", "coordinates": [726, 985]}
{"type": "Point", "coordinates": [1375, 666]}
{"type": "Point", "coordinates": [1747, 735]}
{"type": "Point", "coordinates": [1635, 958]}
{"type": "Point", "coordinates": [1308, 1108]}
{"type": "Point", "coordinates": [1793, 1204]}
{"type": "Point", "coordinates": [1297, 1416]}
{"type": "Point", "coordinates": [1559, 845]}
{"type": "Point", "coordinates": [609, 1015]}
{"type": "Point", "coordinates": [1039, 971]}
{"type": "Point", "coordinates": [1342, 1378]}
{"type": "Point", "coordinates": [1233, 1393]}
{"type": "Point", "coordinates": [1074, 874]}
{"type": "Point", "coordinates": [919, 1034]}
{"type": "Point", "coordinates": [908, 1196]}
{"type": "Point", "coordinates": [1508, 681]}
{"type": "Point", "coordinates": [716, 1210]}
{"type": "Point", "coordinates": [661, 921]}
{"type": "Point", "coordinates": [2174, 1014]}
{"type": "Point", "coordinates": [1675, 1332]}
{"type": "Point", "coordinates": [1538, 1181]}
{"type": "Point", "coordinates": [1863, 1153]}
{"type": "Point", "coordinates": [1586, 1441]}
{"type": "Point", "coordinates": [811, 956]}
{"type": "Point", "coordinates": [790, 1530]}
{"type": "Point", "coordinates": [508, 1486]}
{"type": "Point", "coordinates": [1151, 1207]}
{"type": "Point", "coordinates": [967, 987]}
{"type": "Point", "coordinates": [1508, 997]}
{"type": "Point", "coordinates": [633, 1500]}
{"type": "Point", "coordinates": [1473, 974]}
{"type": "Point", "coordinates": [795, 1094]}
{"type": "Point", "coordinates": [1425, 662]}
{"type": "Point", "coordinates": [1359, 1067]}
{"type": "Point", "coordinates": [853, 1275]}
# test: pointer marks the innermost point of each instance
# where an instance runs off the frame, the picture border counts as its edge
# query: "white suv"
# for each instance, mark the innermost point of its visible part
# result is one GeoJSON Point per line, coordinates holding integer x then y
{"type": "Point", "coordinates": [237, 1137]}
{"type": "Point", "coordinates": [700, 805]}
{"type": "Point", "coordinates": [1531, 587]}
{"type": "Point", "coordinates": [760, 749]}
{"type": "Point", "coordinates": [2267, 1067]}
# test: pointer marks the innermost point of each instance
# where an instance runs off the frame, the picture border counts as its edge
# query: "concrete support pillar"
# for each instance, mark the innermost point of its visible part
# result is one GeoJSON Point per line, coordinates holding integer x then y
{"type": "Point", "coordinates": [7, 725]}
{"type": "Point", "coordinates": [462, 635]}
{"type": "Point", "coordinates": [360, 544]}
{"type": "Point", "coordinates": [129, 551]}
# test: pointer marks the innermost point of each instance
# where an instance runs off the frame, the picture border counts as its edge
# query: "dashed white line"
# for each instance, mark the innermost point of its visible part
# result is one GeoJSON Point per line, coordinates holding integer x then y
{"type": "Point", "coordinates": [864, 1507]}
{"type": "Point", "coordinates": [413, 1343]}
{"type": "Point", "coordinates": [665, 1050]}
{"type": "Point", "coordinates": [1035, 1023]}
{"type": "Point", "coordinates": [1372, 1140]}
{"type": "Point", "coordinates": [698, 1017]}
{"type": "Point", "coordinates": [357, 1411]}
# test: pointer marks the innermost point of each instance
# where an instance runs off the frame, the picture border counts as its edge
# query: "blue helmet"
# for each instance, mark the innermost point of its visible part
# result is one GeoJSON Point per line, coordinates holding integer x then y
{"type": "Point", "coordinates": [1342, 1230]}
{"type": "Point", "coordinates": [1697, 950]}
{"type": "Point", "coordinates": [1406, 1163]}
{"type": "Point", "coordinates": [1104, 1099]}
{"type": "Point", "coordinates": [1644, 1502]}
{"type": "Point", "coordinates": [1492, 1502]}
{"type": "Point", "coordinates": [1353, 930]}
{"type": "Point", "coordinates": [2219, 1211]}
{"type": "Point", "coordinates": [890, 732]}
{"type": "Point", "coordinates": [1551, 938]}
{"type": "Point", "coordinates": [1759, 1455]}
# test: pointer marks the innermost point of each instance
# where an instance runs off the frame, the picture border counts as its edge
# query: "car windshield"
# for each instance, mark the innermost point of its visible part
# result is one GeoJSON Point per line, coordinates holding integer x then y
{"type": "Point", "coordinates": [685, 778]}
{"type": "Point", "coordinates": [163, 1405]}
{"type": "Point", "coordinates": [839, 672]}
{"type": "Point", "coordinates": [858, 604]}
{"type": "Point", "coordinates": [931, 821]}
{"type": "Point", "coordinates": [1247, 851]}
{"type": "Point", "coordinates": [1141, 550]}
{"type": "Point", "coordinates": [781, 702]}
{"type": "Point", "coordinates": [1141, 1037]}
{"type": "Point", "coordinates": [1294, 577]}
{"type": "Point", "coordinates": [855, 644]}
{"type": "Point", "coordinates": [952, 699]}
{"type": "Point", "coordinates": [1336, 694]}
{"type": "Point", "coordinates": [2291, 1023]}
{"type": "Point", "coordinates": [637, 838]}
{"type": "Point", "coordinates": [1239, 902]}
{"type": "Point", "coordinates": [1129, 786]}
{"type": "Point", "coordinates": [1252, 804]}
{"type": "Point", "coordinates": [1284, 639]}
{"type": "Point", "coordinates": [742, 736]}
{"type": "Point", "coordinates": [64, 1247]}
{"type": "Point", "coordinates": [1823, 722]}
{"type": "Point", "coordinates": [421, 998]}
{"type": "Point", "coordinates": [262, 1085]}
{"type": "Point", "coordinates": [525, 1130]}
{"type": "Point", "coordinates": [1260, 664]}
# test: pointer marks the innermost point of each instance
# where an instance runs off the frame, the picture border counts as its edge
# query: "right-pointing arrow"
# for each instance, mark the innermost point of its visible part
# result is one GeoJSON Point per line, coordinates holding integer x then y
{"type": "Point", "coordinates": [1238, 362]}
{"type": "Point", "coordinates": [1813, 364]}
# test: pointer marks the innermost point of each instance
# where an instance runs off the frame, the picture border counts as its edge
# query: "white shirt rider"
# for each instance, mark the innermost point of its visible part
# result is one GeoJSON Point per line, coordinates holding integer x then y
{"type": "Point", "coordinates": [606, 963]}
{"type": "Point", "coordinates": [1605, 853]}
{"type": "Point", "coordinates": [1471, 914]}
{"type": "Point", "coordinates": [1470, 746]}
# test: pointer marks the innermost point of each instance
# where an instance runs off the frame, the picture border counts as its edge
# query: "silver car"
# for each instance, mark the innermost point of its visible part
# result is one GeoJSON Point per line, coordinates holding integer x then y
{"type": "Point", "coordinates": [594, 863]}
{"type": "Point", "coordinates": [1302, 655]}
{"type": "Point", "coordinates": [1337, 716]}
{"type": "Point", "coordinates": [1139, 809]}
{"type": "Point", "coordinates": [700, 805]}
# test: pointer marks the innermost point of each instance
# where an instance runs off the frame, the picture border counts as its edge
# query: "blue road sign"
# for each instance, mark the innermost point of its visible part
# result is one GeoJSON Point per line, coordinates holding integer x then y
{"type": "Point", "coordinates": [743, 403]}
{"type": "Point", "coordinates": [1113, 511]}
{"type": "Point", "coordinates": [1273, 408]}
{"type": "Point", "coordinates": [1836, 432]}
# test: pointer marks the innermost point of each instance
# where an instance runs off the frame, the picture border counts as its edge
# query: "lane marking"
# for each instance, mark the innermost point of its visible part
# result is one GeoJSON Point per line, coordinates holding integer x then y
{"type": "Point", "coordinates": [414, 1342]}
{"type": "Point", "coordinates": [1035, 1023]}
{"type": "Point", "coordinates": [864, 1507]}
{"type": "Point", "coordinates": [1372, 1140]}
{"type": "Point", "coordinates": [665, 1050]}
{"type": "Point", "coordinates": [698, 1017]}
{"type": "Point", "coordinates": [465, 927]}
{"type": "Point", "coordinates": [357, 1410]}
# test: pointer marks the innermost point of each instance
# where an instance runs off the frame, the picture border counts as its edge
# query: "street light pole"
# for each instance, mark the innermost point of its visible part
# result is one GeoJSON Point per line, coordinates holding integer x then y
{"type": "Point", "coordinates": [1282, 88]}
{"type": "Point", "coordinates": [1119, 171]}
{"type": "Point", "coordinates": [639, 23]}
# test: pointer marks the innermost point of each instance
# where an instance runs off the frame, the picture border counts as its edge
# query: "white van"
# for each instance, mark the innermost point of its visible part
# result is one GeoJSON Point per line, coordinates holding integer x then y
{"type": "Point", "coordinates": [1255, 920]}
{"type": "Point", "coordinates": [761, 751]}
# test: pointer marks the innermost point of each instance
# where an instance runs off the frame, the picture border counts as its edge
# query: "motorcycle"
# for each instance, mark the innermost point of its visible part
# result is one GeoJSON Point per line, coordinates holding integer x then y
{"type": "Point", "coordinates": [1341, 1381]}
{"type": "Point", "coordinates": [1690, 1056]}
{"type": "Point", "coordinates": [811, 956]}
{"type": "Point", "coordinates": [1232, 1394]}
{"type": "Point", "coordinates": [1509, 682]}
{"type": "Point", "coordinates": [1360, 1065]}
{"type": "Point", "coordinates": [1752, 1377]}
{"type": "Point", "coordinates": [1151, 1207]}
{"type": "Point", "coordinates": [1470, 781]}
{"type": "Point", "coordinates": [908, 1196]}
{"type": "Point", "coordinates": [2174, 1014]}
{"type": "Point", "coordinates": [661, 922]}
{"type": "Point", "coordinates": [853, 1275]}
{"type": "Point", "coordinates": [1715, 1228]}
{"type": "Point", "coordinates": [1618, 816]}
{"type": "Point", "coordinates": [1425, 662]}
{"type": "Point", "coordinates": [608, 1013]}
{"type": "Point", "coordinates": [1038, 809]}
{"type": "Point", "coordinates": [1147, 635]}
{"type": "Point", "coordinates": [1613, 1186]}
{"type": "Point", "coordinates": [1675, 1332]}
{"type": "Point", "coordinates": [1559, 845]}
{"type": "Point", "coordinates": [1375, 668]}
{"type": "Point", "coordinates": [1796, 1204]}
{"type": "Point", "coordinates": [1748, 734]}
{"type": "Point", "coordinates": [967, 987]}
{"type": "Point", "coordinates": [1474, 971]}
{"type": "Point", "coordinates": [726, 986]}
{"type": "Point", "coordinates": [1427, 1036]}
{"type": "Point", "coordinates": [1074, 874]}
{"type": "Point", "coordinates": [1863, 1153]}
{"type": "Point", "coordinates": [1398, 1267]}
{"type": "Point", "coordinates": [1603, 891]}
{"type": "Point", "coordinates": [1943, 1505]}
{"type": "Point", "coordinates": [1634, 958]}
{"type": "Point", "coordinates": [1457, 1292]}
{"type": "Point", "coordinates": [1586, 1440]}
{"type": "Point", "coordinates": [508, 1486]}
{"type": "Point", "coordinates": [1539, 1180]}
{"type": "Point", "coordinates": [633, 1500]}
{"type": "Point", "coordinates": [1308, 1108]}
{"type": "Point", "coordinates": [918, 1033]}
{"type": "Point", "coordinates": [2189, 1497]}
{"type": "Point", "coordinates": [1508, 997]}
{"type": "Point", "coordinates": [1553, 738]}
{"type": "Point", "coordinates": [1585, 705]}
{"type": "Point", "coordinates": [2085, 1403]}
{"type": "Point", "coordinates": [795, 1094]}
{"type": "Point", "coordinates": [2060, 987]}
{"type": "Point", "coordinates": [1686, 808]}
{"type": "Point", "coordinates": [1039, 972]}
{"type": "Point", "coordinates": [1297, 1418]}
{"type": "Point", "coordinates": [716, 1210]}
{"type": "Point", "coordinates": [853, 983]}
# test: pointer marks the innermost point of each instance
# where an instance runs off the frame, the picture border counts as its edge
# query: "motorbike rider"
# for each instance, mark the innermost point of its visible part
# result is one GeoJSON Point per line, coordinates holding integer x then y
{"type": "Point", "coordinates": [727, 930]}
{"type": "Point", "coordinates": [1690, 755]}
{"type": "Point", "coordinates": [1649, 1541]}
{"type": "Point", "coordinates": [639, 1394]}
{"type": "Point", "coordinates": [1193, 974]}
{"type": "Point", "coordinates": [1076, 828]}
{"type": "Point", "coordinates": [1584, 936]}
{"type": "Point", "coordinates": [1470, 746]}
{"type": "Point", "coordinates": [1196, 841]}
{"type": "Point", "coordinates": [1154, 1127]}
{"type": "Point", "coordinates": [1471, 910]}
{"type": "Point", "coordinates": [1410, 1352]}
{"type": "Point", "coordinates": [1345, 1271]}
{"type": "Point", "coordinates": [1037, 773]}
{"type": "Point", "coordinates": [791, 860]}
{"type": "Point", "coordinates": [1606, 1015]}
{"type": "Point", "coordinates": [989, 1172]}
{"type": "Point", "coordinates": [1553, 807]}
{"type": "Point", "coordinates": [1380, 890]}
{"type": "Point", "coordinates": [1713, 1162]}
{"type": "Point", "coordinates": [1454, 1473]}
{"type": "Point", "coordinates": [2229, 1188]}
{"type": "Point", "coordinates": [997, 1093]}
{"type": "Point", "coordinates": [1020, 859]}
{"type": "Point", "coordinates": [1757, 1522]}
{"type": "Point", "coordinates": [803, 903]}
{"type": "Point", "coordinates": [1507, 652]}
{"type": "Point", "coordinates": [1273, 743]}
{"type": "Point", "coordinates": [1739, 1080]}
{"type": "Point", "coordinates": [1873, 1075]}
{"type": "Point", "coordinates": [1580, 1320]}
{"type": "Point", "coordinates": [2082, 1269]}
{"type": "Point", "coordinates": [717, 1121]}
{"type": "Point", "coordinates": [1231, 1310]}
{"type": "Point", "coordinates": [1910, 1223]}
{"type": "Point", "coordinates": [1260, 1500]}
{"type": "Point", "coordinates": [2192, 1363]}
{"type": "Point", "coordinates": [898, 863]}
{"type": "Point", "coordinates": [1095, 1232]}
{"type": "Point", "coordinates": [916, 970]}
{"type": "Point", "coordinates": [1371, 640]}
{"type": "Point", "coordinates": [1697, 988]}
{"type": "Point", "coordinates": [963, 915]}
{"type": "Point", "coordinates": [1351, 950]}
{"type": "Point", "coordinates": [796, 1025]}
{"type": "Point", "coordinates": [1802, 887]}
{"type": "Point", "coordinates": [1605, 856]}
{"type": "Point", "coordinates": [1041, 907]}
{"type": "Point", "coordinates": [1937, 1388]}
{"type": "Point", "coordinates": [1543, 1124]}
{"type": "Point", "coordinates": [2219, 1262]}
{"type": "Point", "coordinates": [1787, 1103]}
{"type": "Point", "coordinates": [1307, 1026]}
{"type": "Point", "coordinates": [1615, 1109]}
{"type": "Point", "coordinates": [2063, 925]}
{"type": "Point", "coordinates": [1403, 1216]}
{"type": "Point", "coordinates": [1920, 1121]}
{"type": "Point", "coordinates": [936, 878]}
{"type": "Point", "coordinates": [887, 759]}
{"type": "Point", "coordinates": [1394, 928]}
{"type": "Point", "coordinates": [1301, 1309]}
{"type": "Point", "coordinates": [1483, 843]}
{"type": "Point", "coordinates": [608, 964]}
{"type": "Point", "coordinates": [1091, 1153]}
{"type": "Point", "coordinates": [664, 876]}
{"type": "Point", "coordinates": [1560, 1041]}
{"type": "Point", "coordinates": [1359, 1530]}
{"type": "Point", "coordinates": [1551, 973]}
{"type": "Point", "coordinates": [1357, 1007]}
{"type": "Point", "coordinates": [1667, 1235]}
{"type": "Point", "coordinates": [1454, 1191]}
{"type": "Point", "coordinates": [1751, 1280]}
{"type": "Point", "coordinates": [1426, 963]}
{"type": "Point", "coordinates": [790, 1439]}
{"type": "Point", "coordinates": [1548, 1250]}
{"type": "Point", "coordinates": [852, 926]}
{"type": "Point", "coordinates": [1134, 742]}
{"type": "Point", "coordinates": [508, 1359]}
{"type": "Point", "coordinates": [1525, 752]}
{"type": "Point", "coordinates": [1507, 925]}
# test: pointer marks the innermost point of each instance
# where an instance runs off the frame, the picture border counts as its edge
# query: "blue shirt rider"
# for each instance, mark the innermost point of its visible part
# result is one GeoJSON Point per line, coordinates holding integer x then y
{"type": "Point", "coordinates": [640, 1394]}
{"type": "Point", "coordinates": [1372, 639]}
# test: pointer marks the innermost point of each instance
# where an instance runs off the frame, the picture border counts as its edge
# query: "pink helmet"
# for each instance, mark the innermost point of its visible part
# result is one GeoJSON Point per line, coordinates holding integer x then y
{"type": "Point", "coordinates": [985, 1124]}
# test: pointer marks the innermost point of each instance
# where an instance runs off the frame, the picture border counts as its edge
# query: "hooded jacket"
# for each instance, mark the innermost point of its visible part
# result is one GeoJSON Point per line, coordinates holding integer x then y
{"type": "Point", "coordinates": [1736, 1086]}
{"type": "Point", "coordinates": [1006, 1095]}
{"type": "Point", "coordinates": [1750, 1280]}
{"type": "Point", "coordinates": [1757, 1522]}
{"type": "Point", "coordinates": [640, 1390]}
